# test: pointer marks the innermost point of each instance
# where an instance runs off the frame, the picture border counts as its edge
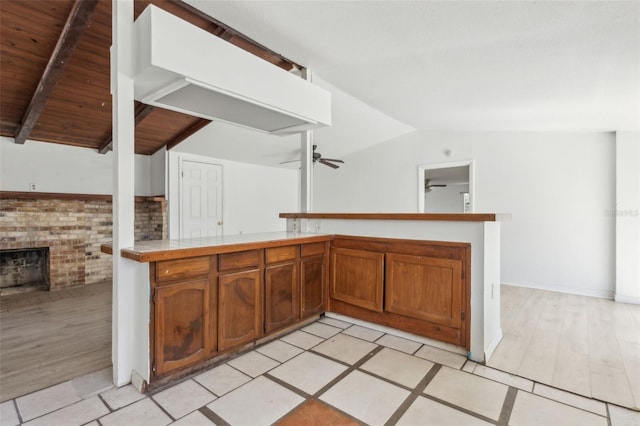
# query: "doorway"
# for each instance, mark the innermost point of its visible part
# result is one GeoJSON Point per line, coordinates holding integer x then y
{"type": "Point", "coordinates": [446, 187]}
{"type": "Point", "coordinates": [200, 199]}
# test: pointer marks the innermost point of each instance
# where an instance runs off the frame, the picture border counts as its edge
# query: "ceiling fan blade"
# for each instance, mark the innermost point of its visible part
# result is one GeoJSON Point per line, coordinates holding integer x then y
{"type": "Point", "coordinates": [326, 163]}
{"type": "Point", "coordinates": [335, 161]}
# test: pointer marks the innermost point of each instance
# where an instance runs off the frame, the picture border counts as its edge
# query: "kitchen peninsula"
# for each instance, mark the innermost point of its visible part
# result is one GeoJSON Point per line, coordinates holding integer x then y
{"type": "Point", "coordinates": [201, 300]}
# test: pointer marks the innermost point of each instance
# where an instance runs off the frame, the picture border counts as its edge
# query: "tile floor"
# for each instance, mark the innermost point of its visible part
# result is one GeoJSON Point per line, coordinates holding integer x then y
{"type": "Point", "coordinates": [328, 373]}
{"type": "Point", "coordinates": [585, 345]}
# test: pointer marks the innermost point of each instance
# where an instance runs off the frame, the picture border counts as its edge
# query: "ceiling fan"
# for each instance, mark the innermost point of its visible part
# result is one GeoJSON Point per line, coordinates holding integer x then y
{"type": "Point", "coordinates": [428, 185]}
{"type": "Point", "coordinates": [318, 158]}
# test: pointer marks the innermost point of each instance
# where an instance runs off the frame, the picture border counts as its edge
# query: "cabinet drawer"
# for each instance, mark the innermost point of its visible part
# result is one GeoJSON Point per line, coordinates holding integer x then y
{"type": "Point", "coordinates": [279, 254]}
{"type": "Point", "coordinates": [239, 260]}
{"type": "Point", "coordinates": [182, 269]}
{"type": "Point", "coordinates": [313, 249]}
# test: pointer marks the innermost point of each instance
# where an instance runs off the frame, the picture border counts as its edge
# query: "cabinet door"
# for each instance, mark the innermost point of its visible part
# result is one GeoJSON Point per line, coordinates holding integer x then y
{"type": "Point", "coordinates": [182, 323]}
{"type": "Point", "coordinates": [281, 296]}
{"type": "Point", "coordinates": [357, 277]}
{"type": "Point", "coordinates": [312, 291]}
{"type": "Point", "coordinates": [239, 308]}
{"type": "Point", "coordinates": [425, 288]}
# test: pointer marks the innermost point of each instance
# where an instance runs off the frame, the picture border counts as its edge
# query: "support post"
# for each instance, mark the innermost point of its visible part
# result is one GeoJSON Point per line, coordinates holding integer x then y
{"type": "Point", "coordinates": [306, 167]}
{"type": "Point", "coordinates": [123, 331]}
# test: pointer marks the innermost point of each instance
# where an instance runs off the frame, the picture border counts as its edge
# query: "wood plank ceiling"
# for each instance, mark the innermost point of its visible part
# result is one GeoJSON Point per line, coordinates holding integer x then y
{"type": "Point", "coordinates": [54, 74]}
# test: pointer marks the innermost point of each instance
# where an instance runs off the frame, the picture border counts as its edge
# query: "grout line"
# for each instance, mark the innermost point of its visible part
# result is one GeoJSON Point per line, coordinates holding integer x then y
{"type": "Point", "coordinates": [507, 406]}
{"type": "Point", "coordinates": [211, 415]}
{"type": "Point", "coordinates": [415, 393]}
{"type": "Point", "coordinates": [458, 408]}
{"type": "Point", "coordinates": [288, 386]}
{"type": "Point", "coordinates": [111, 410]}
{"type": "Point", "coordinates": [15, 406]}
{"type": "Point", "coordinates": [161, 408]}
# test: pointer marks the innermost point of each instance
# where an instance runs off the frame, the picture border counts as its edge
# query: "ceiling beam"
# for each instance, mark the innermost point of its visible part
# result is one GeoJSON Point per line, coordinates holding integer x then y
{"type": "Point", "coordinates": [142, 110]}
{"type": "Point", "coordinates": [74, 27]}
{"type": "Point", "coordinates": [187, 132]}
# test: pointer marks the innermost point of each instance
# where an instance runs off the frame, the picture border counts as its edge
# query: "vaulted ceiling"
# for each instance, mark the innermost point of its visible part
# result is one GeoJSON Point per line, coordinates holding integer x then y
{"type": "Point", "coordinates": [54, 74]}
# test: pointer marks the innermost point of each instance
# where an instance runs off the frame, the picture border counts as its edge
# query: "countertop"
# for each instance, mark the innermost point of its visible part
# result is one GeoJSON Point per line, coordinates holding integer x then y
{"type": "Point", "coordinates": [154, 250]}
{"type": "Point", "coordinates": [446, 217]}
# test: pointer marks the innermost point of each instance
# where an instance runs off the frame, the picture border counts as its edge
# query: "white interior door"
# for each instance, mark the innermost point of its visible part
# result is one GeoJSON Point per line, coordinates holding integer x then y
{"type": "Point", "coordinates": [200, 199]}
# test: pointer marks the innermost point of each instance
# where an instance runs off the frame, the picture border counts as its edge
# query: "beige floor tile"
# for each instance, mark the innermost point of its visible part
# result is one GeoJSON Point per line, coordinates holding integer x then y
{"type": "Point", "coordinates": [574, 400]}
{"type": "Point", "coordinates": [466, 390]}
{"type": "Point", "coordinates": [47, 400]}
{"type": "Point", "coordinates": [142, 413]}
{"type": "Point", "coordinates": [93, 423]}
{"type": "Point", "coordinates": [308, 372]}
{"type": "Point", "coordinates": [611, 385]}
{"type": "Point", "coordinates": [399, 367]}
{"type": "Point", "coordinates": [222, 379]}
{"type": "Point", "coordinates": [345, 348]}
{"type": "Point", "coordinates": [469, 366]}
{"type": "Point", "coordinates": [398, 343]}
{"type": "Point", "coordinates": [194, 419]}
{"type": "Point", "coordinates": [335, 323]}
{"type": "Point", "coordinates": [366, 398]}
{"type": "Point", "coordinates": [8, 414]}
{"type": "Point", "coordinates": [279, 350]}
{"type": "Point", "coordinates": [363, 333]}
{"type": "Point", "coordinates": [259, 402]}
{"type": "Point", "coordinates": [441, 356]}
{"type": "Point", "coordinates": [117, 398]}
{"type": "Point", "coordinates": [93, 383]}
{"type": "Point", "coordinates": [253, 363]}
{"type": "Point", "coordinates": [183, 398]}
{"type": "Point", "coordinates": [505, 378]}
{"type": "Point", "coordinates": [302, 340]}
{"type": "Point", "coordinates": [73, 415]}
{"type": "Point", "coordinates": [430, 413]}
{"type": "Point", "coordinates": [321, 330]}
{"type": "Point", "coordinates": [530, 409]}
{"type": "Point", "coordinates": [620, 416]}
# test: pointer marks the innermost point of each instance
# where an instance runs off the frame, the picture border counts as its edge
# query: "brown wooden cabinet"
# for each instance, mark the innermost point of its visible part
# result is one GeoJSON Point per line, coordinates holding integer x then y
{"type": "Point", "coordinates": [426, 285]}
{"type": "Point", "coordinates": [357, 277]}
{"type": "Point", "coordinates": [282, 288]}
{"type": "Point", "coordinates": [425, 288]}
{"type": "Point", "coordinates": [183, 313]}
{"type": "Point", "coordinates": [240, 296]}
{"type": "Point", "coordinates": [313, 279]}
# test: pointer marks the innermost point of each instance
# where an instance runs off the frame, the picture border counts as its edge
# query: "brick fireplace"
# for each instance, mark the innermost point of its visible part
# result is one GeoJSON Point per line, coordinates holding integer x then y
{"type": "Point", "coordinates": [72, 230]}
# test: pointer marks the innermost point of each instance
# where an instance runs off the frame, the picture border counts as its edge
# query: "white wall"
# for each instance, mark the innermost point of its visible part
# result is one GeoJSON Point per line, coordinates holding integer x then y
{"type": "Point", "coordinates": [252, 196]}
{"type": "Point", "coordinates": [559, 187]}
{"type": "Point", "coordinates": [627, 216]}
{"type": "Point", "coordinates": [445, 200]}
{"type": "Point", "coordinates": [62, 168]}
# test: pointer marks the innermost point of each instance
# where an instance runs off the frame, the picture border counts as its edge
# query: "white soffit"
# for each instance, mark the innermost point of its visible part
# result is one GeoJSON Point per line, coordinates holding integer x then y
{"type": "Point", "coordinates": [493, 66]}
{"type": "Point", "coordinates": [184, 68]}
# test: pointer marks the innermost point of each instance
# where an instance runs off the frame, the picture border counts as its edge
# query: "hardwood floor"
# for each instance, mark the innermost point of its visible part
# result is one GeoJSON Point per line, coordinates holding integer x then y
{"type": "Point", "coordinates": [50, 337]}
{"type": "Point", "coordinates": [585, 345]}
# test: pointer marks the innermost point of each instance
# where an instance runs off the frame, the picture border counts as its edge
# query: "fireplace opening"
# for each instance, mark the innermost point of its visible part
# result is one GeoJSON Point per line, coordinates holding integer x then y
{"type": "Point", "coordinates": [24, 269]}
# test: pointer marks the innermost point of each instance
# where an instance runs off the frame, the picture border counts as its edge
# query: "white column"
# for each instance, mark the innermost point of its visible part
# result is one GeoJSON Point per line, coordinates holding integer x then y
{"type": "Point", "coordinates": [123, 190]}
{"type": "Point", "coordinates": [627, 217]}
{"type": "Point", "coordinates": [306, 167]}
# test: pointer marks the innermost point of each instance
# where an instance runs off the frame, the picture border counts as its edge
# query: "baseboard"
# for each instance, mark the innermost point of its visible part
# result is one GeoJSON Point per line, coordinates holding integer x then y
{"type": "Point", "coordinates": [627, 299]}
{"type": "Point", "coordinates": [490, 349]}
{"type": "Point", "coordinates": [399, 333]}
{"type": "Point", "coordinates": [602, 294]}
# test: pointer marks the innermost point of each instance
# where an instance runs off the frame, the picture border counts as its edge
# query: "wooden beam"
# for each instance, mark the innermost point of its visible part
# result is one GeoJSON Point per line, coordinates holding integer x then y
{"type": "Point", "coordinates": [141, 112]}
{"type": "Point", "coordinates": [187, 132]}
{"type": "Point", "coordinates": [72, 31]}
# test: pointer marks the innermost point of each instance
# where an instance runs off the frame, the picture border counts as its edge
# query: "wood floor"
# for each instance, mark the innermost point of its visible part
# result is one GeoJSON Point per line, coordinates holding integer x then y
{"type": "Point", "coordinates": [50, 337]}
{"type": "Point", "coordinates": [585, 345]}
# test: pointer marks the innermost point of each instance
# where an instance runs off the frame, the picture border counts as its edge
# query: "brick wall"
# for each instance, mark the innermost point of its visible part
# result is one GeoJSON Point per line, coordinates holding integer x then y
{"type": "Point", "coordinates": [73, 230]}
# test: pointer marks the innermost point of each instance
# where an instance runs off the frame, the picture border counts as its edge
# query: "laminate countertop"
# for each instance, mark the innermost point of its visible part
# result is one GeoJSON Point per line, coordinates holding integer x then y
{"type": "Point", "coordinates": [154, 250]}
